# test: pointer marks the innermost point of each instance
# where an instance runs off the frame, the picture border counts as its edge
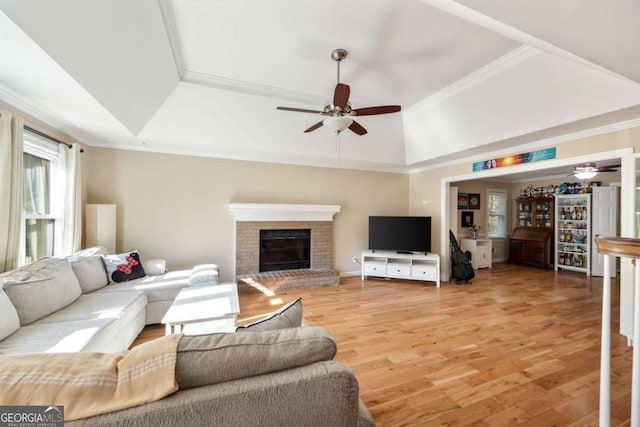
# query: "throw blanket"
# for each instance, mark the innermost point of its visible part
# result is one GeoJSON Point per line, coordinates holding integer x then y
{"type": "Point", "coordinates": [89, 384]}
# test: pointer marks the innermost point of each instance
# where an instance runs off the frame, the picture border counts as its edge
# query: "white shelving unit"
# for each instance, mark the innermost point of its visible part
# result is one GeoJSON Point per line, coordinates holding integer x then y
{"type": "Point", "coordinates": [480, 252]}
{"type": "Point", "coordinates": [573, 233]}
{"type": "Point", "coordinates": [401, 266]}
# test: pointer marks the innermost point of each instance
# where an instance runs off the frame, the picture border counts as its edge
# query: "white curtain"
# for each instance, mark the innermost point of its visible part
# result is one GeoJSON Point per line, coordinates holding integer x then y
{"type": "Point", "coordinates": [72, 231]}
{"type": "Point", "coordinates": [11, 188]}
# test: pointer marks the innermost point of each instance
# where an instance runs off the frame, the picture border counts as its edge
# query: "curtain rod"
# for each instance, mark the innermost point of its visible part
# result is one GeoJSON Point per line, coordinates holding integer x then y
{"type": "Point", "coordinates": [50, 138]}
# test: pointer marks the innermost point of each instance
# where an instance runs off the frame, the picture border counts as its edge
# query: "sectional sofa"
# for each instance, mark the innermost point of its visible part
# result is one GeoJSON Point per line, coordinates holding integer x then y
{"type": "Point", "coordinates": [69, 305]}
{"type": "Point", "coordinates": [259, 376]}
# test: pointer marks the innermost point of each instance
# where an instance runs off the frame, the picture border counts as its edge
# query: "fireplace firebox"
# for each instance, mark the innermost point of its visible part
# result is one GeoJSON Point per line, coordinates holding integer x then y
{"type": "Point", "coordinates": [285, 249]}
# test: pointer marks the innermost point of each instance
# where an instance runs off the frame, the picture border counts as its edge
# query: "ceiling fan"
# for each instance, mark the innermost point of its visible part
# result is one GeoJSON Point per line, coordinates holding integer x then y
{"type": "Point", "coordinates": [589, 170]}
{"type": "Point", "coordinates": [338, 114]}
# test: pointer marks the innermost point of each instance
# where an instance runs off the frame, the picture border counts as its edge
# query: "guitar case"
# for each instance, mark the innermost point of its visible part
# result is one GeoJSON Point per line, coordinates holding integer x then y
{"type": "Point", "coordinates": [461, 268]}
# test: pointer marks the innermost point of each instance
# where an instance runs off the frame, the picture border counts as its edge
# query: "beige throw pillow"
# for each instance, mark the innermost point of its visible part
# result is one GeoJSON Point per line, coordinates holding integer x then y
{"type": "Point", "coordinates": [289, 316]}
{"type": "Point", "coordinates": [40, 288]}
{"type": "Point", "coordinates": [216, 358]}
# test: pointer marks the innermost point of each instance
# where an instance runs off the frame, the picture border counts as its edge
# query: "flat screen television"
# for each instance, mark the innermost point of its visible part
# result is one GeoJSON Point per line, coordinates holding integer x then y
{"type": "Point", "coordinates": [403, 234]}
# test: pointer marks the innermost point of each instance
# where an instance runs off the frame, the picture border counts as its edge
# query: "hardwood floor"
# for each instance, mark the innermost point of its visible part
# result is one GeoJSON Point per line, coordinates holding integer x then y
{"type": "Point", "coordinates": [520, 346]}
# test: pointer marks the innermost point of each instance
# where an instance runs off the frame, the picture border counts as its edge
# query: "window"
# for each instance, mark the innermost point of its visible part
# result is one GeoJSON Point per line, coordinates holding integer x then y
{"type": "Point", "coordinates": [42, 213]}
{"type": "Point", "coordinates": [497, 213]}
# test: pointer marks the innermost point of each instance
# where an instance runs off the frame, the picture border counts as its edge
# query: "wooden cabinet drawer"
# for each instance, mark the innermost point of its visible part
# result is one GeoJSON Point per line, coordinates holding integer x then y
{"type": "Point", "coordinates": [374, 269]}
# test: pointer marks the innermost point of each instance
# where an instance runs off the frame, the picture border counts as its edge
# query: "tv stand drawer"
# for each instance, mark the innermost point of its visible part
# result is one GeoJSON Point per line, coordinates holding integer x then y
{"type": "Point", "coordinates": [424, 272]}
{"type": "Point", "coordinates": [375, 269]}
{"type": "Point", "coordinates": [398, 270]}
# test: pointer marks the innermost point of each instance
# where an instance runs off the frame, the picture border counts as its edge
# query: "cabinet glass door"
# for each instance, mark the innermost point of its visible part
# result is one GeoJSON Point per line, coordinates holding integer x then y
{"type": "Point", "coordinates": [544, 213]}
{"type": "Point", "coordinates": [524, 214]}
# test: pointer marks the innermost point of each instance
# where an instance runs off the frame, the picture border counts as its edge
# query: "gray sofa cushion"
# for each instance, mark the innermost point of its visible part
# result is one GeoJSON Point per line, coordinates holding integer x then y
{"type": "Point", "coordinates": [9, 320]}
{"type": "Point", "coordinates": [90, 272]}
{"type": "Point", "coordinates": [40, 288]}
{"type": "Point", "coordinates": [216, 358]}
{"type": "Point", "coordinates": [289, 316]}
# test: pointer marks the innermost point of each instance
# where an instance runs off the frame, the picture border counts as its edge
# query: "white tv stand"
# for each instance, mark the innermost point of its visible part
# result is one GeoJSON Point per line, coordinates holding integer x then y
{"type": "Point", "coordinates": [401, 266]}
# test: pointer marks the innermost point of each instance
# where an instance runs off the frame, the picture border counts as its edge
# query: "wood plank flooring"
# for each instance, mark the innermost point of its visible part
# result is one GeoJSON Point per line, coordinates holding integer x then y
{"type": "Point", "coordinates": [520, 346]}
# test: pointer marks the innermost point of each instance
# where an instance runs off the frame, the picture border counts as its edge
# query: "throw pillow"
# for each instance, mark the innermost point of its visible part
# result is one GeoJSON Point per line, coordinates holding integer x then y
{"type": "Point", "coordinates": [40, 288]}
{"type": "Point", "coordinates": [289, 316]}
{"type": "Point", "coordinates": [90, 272]}
{"type": "Point", "coordinates": [123, 267]}
{"type": "Point", "coordinates": [217, 358]}
{"type": "Point", "coordinates": [9, 320]}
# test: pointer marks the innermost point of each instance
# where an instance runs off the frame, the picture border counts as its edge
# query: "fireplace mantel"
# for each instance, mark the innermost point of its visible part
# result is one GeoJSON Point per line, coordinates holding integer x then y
{"type": "Point", "coordinates": [282, 212]}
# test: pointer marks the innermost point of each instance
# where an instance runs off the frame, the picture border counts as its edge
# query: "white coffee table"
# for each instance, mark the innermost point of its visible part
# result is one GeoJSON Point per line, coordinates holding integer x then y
{"type": "Point", "coordinates": [217, 305]}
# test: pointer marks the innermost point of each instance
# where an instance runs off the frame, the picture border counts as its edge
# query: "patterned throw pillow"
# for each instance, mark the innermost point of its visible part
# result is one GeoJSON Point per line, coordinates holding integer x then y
{"type": "Point", "coordinates": [123, 267]}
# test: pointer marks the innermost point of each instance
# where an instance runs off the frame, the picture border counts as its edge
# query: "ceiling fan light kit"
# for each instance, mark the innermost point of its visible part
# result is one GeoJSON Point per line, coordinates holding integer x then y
{"type": "Point", "coordinates": [590, 170]}
{"type": "Point", "coordinates": [338, 114]}
{"type": "Point", "coordinates": [338, 123]}
{"type": "Point", "coordinates": [585, 174]}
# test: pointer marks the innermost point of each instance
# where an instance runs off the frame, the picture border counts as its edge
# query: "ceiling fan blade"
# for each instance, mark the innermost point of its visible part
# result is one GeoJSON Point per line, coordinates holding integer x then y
{"type": "Point", "coordinates": [370, 111]}
{"type": "Point", "coordinates": [357, 128]}
{"type": "Point", "coordinates": [341, 95]}
{"type": "Point", "coordinates": [314, 127]}
{"type": "Point", "coordinates": [299, 110]}
{"type": "Point", "coordinates": [612, 168]}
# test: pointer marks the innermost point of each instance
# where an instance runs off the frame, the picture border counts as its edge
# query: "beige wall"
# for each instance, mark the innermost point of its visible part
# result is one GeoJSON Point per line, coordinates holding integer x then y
{"type": "Point", "coordinates": [499, 246]}
{"type": "Point", "coordinates": [176, 207]}
{"type": "Point", "coordinates": [426, 185]}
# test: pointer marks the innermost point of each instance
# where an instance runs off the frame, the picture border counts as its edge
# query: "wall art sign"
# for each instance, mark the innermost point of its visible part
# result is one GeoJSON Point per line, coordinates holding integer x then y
{"type": "Point", "coordinates": [463, 201]}
{"type": "Point", "coordinates": [515, 159]}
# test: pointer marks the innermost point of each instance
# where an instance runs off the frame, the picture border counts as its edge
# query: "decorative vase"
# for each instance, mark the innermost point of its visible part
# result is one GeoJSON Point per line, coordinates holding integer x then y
{"type": "Point", "coordinates": [474, 235]}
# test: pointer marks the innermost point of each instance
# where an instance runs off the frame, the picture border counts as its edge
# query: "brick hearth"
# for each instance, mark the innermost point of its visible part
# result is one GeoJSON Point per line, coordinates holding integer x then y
{"type": "Point", "coordinates": [287, 279]}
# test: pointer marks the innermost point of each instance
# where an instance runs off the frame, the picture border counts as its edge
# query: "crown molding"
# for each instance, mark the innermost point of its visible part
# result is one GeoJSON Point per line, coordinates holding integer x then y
{"type": "Point", "coordinates": [490, 70]}
{"type": "Point", "coordinates": [614, 127]}
{"type": "Point", "coordinates": [492, 24]}
{"type": "Point", "coordinates": [32, 109]}
{"type": "Point", "coordinates": [169, 18]}
{"type": "Point", "coordinates": [218, 82]}
{"type": "Point", "coordinates": [224, 83]}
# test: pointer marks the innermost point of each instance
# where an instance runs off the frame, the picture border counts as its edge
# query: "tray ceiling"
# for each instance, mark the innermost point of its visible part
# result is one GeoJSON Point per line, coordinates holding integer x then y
{"type": "Point", "coordinates": [204, 78]}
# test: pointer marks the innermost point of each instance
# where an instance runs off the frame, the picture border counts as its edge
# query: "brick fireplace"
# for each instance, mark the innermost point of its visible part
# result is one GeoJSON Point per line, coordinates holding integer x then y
{"type": "Point", "coordinates": [252, 218]}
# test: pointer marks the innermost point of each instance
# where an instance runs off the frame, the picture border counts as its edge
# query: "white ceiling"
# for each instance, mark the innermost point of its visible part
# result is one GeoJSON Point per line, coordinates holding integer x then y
{"type": "Point", "coordinates": [204, 77]}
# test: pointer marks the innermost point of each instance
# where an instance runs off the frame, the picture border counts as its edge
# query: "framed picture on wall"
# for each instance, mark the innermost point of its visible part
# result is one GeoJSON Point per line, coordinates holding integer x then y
{"type": "Point", "coordinates": [463, 201]}
{"type": "Point", "coordinates": [467, 219]}
{"type": "Point", "coordinates": [474, 201]}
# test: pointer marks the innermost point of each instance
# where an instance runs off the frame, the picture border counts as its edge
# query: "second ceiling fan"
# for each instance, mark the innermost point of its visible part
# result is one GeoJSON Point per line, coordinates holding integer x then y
{"type": "Point", "coordinates": [339, 113]}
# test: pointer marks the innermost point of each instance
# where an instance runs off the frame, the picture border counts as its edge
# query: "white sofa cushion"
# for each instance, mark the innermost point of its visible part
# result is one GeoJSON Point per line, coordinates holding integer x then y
{"type": "Point", "coordinates": [40, 288]}
{"type": "Point", "coordinates": [90, 272]}
{"type": "Point", "coordinates": [9, 320]}
{"type": "Point", "coordinates": [92, 323]}
{"type": "Point", "coordinates": [157, 288]}
{"type": "Point", "coordinates": [62, 337]}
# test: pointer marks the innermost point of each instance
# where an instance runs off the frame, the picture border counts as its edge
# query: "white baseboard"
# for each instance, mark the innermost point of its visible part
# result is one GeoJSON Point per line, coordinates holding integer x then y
{"type": "Point", "coordinates": [350, 273]}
